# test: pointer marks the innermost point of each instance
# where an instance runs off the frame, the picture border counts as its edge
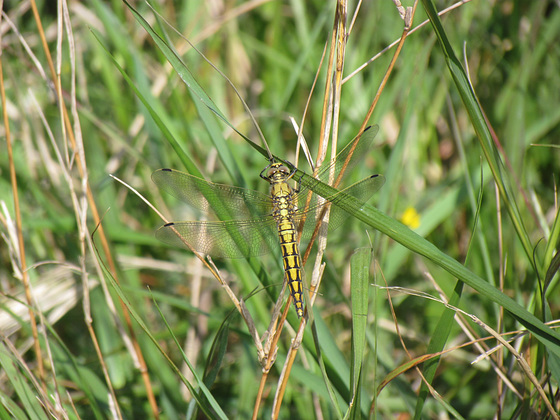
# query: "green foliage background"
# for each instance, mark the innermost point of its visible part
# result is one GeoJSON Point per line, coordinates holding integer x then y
{"type": "Point", "coordinates": [426, 148]}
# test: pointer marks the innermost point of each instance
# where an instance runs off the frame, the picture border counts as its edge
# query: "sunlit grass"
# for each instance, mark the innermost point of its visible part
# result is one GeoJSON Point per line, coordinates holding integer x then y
{"type": "Point", "coordinates": [439, 184]}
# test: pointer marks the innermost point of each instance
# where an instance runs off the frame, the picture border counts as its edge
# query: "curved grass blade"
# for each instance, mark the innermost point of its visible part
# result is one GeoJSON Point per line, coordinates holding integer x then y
{"type": "Point", "coordinates": [411, 240]}
{"type": "Point", "coordinates": [478, 121]}
{"type": "Point", "coordinates": [187, 77]}
{"type": "Point", "coordinates": [204, 398]}
{"type": "Point", "coordinates": [158, 119]}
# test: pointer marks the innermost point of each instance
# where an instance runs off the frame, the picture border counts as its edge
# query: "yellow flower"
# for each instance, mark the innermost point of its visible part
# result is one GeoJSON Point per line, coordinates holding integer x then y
{"type": "Point", "coordinates": [411, 218]}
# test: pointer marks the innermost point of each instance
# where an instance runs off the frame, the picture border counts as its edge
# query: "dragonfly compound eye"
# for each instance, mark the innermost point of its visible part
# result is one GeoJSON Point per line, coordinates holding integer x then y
{"type": "Point", "coordinates": [277, 168]}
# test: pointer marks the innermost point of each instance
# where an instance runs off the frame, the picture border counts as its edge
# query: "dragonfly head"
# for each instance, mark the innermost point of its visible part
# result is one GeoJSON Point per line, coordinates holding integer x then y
{"type": "Point", "coordinates": [278, 170]}
{"type": "Point", "coordinates": [277, 167]}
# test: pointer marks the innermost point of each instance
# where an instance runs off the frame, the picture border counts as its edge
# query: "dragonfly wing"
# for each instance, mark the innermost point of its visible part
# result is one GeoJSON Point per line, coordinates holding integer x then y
{"type": "Point", "coordinates": [227, 201]}
{"type": "Point", "coordinates": [347, 158]}
{"type": "Point", "coordinates": [228, 239]}
{"type": "Point", "coordinates": [362, 190]}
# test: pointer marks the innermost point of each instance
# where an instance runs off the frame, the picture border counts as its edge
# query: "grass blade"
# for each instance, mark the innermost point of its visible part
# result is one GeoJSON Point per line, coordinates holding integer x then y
{"type": "Point", "coordinates": [402, 234]}
{"type": "Point", "coordinates": [481, 128]}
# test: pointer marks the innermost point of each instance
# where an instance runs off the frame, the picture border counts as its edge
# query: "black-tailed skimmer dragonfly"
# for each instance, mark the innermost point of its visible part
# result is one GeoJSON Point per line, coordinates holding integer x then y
{"type": "Point", "coordinates": [252, 223]}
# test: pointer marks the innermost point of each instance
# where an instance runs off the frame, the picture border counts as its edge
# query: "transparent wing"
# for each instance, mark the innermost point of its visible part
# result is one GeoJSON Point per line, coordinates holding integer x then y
{"type": "Point", "coordinates": [249, 229]}
{"type": "Point", "coordinates": [348, 157]}
{"type": "Point", "coordinates": [362, 190]}
{"type": "Point", "coordinates": [227, 201]}
{"type": "Point", "coordinates": [242, 203]}
{"type": "Point", "coordinates": [251, 238]}
{"type": "Point", "coordinates": [229, 239]}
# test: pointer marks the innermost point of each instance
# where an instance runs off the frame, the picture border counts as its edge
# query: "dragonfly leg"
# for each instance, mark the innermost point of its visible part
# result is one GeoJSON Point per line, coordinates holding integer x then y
{"type": "Point", "coordinates": [297, 188]}
{"type": "Point", "coordinates": [293, 171]}
{"type": "Point", "coordinates": [266, 177]}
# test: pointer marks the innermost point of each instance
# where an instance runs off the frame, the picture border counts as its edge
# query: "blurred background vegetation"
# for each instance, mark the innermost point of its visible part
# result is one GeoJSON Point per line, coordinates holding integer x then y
{"type": "Point", "coordinates": [271, 51]}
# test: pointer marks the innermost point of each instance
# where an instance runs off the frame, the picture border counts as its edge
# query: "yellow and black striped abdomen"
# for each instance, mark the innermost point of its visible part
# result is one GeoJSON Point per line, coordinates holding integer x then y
{"type": "Point", "coordinates": [292, 261]}
{"type": "Point", "coordinates": [284, 208]}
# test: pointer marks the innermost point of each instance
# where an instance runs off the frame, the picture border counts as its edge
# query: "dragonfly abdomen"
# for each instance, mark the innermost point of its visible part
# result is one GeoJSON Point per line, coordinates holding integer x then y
{"type": "Point", "coordinates": [292, 261]}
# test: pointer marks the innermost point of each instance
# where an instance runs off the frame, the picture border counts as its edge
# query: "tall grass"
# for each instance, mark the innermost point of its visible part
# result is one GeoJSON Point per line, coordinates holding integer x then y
{"type": "Point", "coordinates": [101, 320]}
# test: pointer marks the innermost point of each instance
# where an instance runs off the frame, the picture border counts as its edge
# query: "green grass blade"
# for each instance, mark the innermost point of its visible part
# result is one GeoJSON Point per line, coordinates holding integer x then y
{"type": "Point", "coordinates": [203, 396]}
{"type": "Point", "coordinates": [411, 240]}
{"type": "Point", "coordinates": [437, 343]}
{"type": "Point", "coordinates": [360, 264]}
{"type": "Point", "coordinates": [445, 324]}
{"type": "Point", "coordinates": [551, 260]}
{"type": "Point", "coordinates": [27, 397]}
{"type": "Point", "coordinates": [481, 128]}
{"type": "Point", "coordinates": [205, 404]}
{"type": "Point", "coordinates": [217, 351]}
{"type": "Point", "coordinates": [10, 409]}
{"type": "Point", "coordinates": [327, 353]}
{"type": "Point", "coordinates": [177, 64]}
{"type": "Point", "coordinates": [158, 119]}
{"type": "Point", "coordinates": [181, 69]}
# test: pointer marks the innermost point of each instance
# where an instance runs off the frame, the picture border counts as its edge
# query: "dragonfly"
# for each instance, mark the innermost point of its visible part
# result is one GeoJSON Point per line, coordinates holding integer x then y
{"type": "Point", "coordinates": [252, 223]}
